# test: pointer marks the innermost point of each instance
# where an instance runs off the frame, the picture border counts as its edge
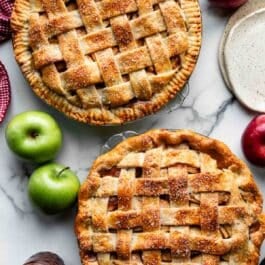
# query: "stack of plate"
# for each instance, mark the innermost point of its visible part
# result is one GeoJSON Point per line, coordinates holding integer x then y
{"type": "Point", "coordinates": [242, 55]}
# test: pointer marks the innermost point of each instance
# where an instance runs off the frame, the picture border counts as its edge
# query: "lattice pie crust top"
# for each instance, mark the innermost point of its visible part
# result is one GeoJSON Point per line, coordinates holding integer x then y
{"type": "Point", "coordinates": [170, 197]}
{"type": "Point", "coordinates": [106, 61]}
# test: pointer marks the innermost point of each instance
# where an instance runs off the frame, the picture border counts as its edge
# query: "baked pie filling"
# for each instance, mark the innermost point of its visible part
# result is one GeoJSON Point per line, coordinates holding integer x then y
{"type": "Point", "coordinates": [108, 61]}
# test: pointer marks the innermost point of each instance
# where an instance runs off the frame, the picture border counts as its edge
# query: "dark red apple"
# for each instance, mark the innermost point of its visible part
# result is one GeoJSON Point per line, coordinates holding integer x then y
{"type": "Point", "coordinates": [253, 141]}
{"type": "Point", "coordinates": [228, 3]}
{"type": "Point", "coordinates": [44, 258]}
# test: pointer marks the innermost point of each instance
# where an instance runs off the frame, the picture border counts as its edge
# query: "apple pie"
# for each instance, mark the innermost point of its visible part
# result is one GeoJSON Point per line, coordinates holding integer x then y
{"type": "Point", "coordinates": [106, 61]}
{"type": "Point", "coordinates": [169, 197]}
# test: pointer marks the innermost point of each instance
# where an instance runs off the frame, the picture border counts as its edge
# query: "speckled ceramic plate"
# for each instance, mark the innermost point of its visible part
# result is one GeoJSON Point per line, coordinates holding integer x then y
{"type": "Point", "coordinates": [244, 60]}
{"type": "Point", "coordinates": [247, 9]}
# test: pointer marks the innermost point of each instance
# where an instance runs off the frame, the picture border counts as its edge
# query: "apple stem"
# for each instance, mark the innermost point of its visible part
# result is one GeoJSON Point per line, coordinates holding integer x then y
{"type": "Point", "coordinates": [60, 173]}
{"type": "Point", "coordinates": [34, 135]}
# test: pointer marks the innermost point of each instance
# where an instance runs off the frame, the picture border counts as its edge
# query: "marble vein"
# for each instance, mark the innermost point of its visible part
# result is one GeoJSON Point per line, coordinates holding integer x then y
{"type": "Point", "coordinates": [13, 203]}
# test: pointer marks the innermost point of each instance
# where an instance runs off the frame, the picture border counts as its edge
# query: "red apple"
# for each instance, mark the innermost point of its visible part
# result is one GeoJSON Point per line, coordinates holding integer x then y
{"type": "Point", "coordinates": [253, 141]}
{"type": "Point", "coordinates": [228, 3]}
{"type": "Point", "coordinates": [44, 258]}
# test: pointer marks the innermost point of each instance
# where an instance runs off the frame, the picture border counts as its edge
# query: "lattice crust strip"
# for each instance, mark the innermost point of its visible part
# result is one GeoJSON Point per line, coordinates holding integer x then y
{"type": "Point", "coordinates": [104, 57]}
{"type": "Point", "coordinates": [169, 197]}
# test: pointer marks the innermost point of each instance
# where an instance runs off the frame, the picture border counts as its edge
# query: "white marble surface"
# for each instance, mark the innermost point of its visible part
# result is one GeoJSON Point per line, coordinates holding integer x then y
{"type": "Point", "coordinates": [209, 109]}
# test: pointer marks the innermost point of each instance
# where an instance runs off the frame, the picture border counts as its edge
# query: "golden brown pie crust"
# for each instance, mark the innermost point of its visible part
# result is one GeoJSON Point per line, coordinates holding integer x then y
{"type": "Point", "coordinates": [169, 197]}
{"type": "Point", "coordinates": [109, 61]}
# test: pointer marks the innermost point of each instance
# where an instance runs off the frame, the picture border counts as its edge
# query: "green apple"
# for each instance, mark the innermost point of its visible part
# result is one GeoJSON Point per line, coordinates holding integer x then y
{"type": "Point", "coordinates": [53, 187]}
{"type": "Point", "coordinates": [34, 135]}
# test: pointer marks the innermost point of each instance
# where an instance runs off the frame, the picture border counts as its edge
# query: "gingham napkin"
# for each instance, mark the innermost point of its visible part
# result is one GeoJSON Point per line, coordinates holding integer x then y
{"type": "Point", "coordinates": [5, 13]}
{"type": "Point", "coordinates": [4, 91]}
{"type": "Point", "coordinates": [5, 33]}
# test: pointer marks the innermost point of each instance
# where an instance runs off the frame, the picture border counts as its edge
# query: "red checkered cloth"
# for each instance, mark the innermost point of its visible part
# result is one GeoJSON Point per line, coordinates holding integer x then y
{"type": "Point", "coordinates": [4, 91]}
{"type": "Point", "coordinates": [5, 33]}
{"type": "Point", "coordinates": [5, 13]}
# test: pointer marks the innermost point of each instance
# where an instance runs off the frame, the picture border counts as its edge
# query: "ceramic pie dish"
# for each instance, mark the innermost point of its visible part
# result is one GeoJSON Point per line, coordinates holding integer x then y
{"type": "Point", "coordinates": [169, 197]}
{"type": "Point", "coordinates": [108, 61]}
